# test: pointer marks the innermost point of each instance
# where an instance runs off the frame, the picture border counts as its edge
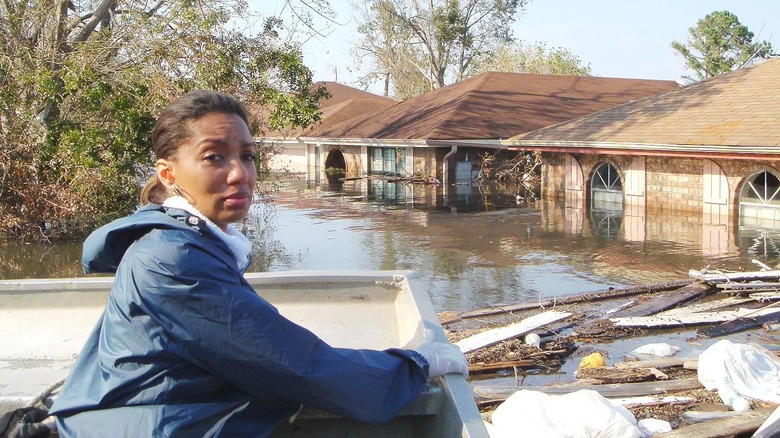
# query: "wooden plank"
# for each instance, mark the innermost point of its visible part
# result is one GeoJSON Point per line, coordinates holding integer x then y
{"type": "Point", "coordinates": [607, 294]}
{"type": "Point", "coordinates": [667, 300]}
{"type": "Point", "coordinates": [737, 326]}
{"type": "Point", "coordinates": [687, 320]}
{"type": "Point", "coordinates": [660, 363]}
{"type": "Point", "coordinates": [496, 335]}
{"type": "Point", "coordinates": [722, 277]}
{"type": "Point", "coordinates": [616, 375]}
{"type": "Point", "coordinates": [705, 307]}
{"type": "Point", "coordinates": [494, 366]}
{"type": "Point", "coordinates": [765, 296]}
{"type": "Point", "coordinates": [751, 285]}
{"type": "Point", "coordinates": [693, 417]}
{"type": "Point", "coordinates": [746, 423]}
{"type": "Point", "coordinates": [612, 390]}
{"type": "Point", "coordinates": [632, 402]}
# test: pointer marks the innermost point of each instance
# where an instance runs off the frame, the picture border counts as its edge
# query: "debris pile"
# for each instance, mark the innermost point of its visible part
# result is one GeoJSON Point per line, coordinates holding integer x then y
{"type": "Point", "coordinates": [652, 382]}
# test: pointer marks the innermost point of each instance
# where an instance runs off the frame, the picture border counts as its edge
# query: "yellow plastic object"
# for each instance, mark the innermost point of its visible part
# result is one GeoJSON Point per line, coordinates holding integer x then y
{"type": "Point", "coordinates": [592, 360]}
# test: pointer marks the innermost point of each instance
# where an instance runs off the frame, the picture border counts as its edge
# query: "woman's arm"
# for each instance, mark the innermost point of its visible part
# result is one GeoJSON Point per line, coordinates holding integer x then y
{"type": "Point", "coordinates": [219, 323]}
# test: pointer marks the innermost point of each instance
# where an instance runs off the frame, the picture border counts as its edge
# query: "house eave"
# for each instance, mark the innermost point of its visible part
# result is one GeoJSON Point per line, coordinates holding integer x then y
{"type": "Point", "coordinates": [649, 149]}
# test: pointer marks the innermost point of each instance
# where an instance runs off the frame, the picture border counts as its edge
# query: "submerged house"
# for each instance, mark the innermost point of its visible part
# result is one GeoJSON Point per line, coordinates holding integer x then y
{"type": "Point", "coordinates": [292, 154]}
{"type": "Point", "coordinates": [711, 150]}
{"type": "Point", "coordinates": [442, 134]}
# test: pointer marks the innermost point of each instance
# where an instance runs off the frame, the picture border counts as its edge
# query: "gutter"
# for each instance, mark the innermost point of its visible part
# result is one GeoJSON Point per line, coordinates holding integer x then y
{"type": "Point", "coordinates": [446, 165]}
{"type": "Point", "coordinates": [635, 148]}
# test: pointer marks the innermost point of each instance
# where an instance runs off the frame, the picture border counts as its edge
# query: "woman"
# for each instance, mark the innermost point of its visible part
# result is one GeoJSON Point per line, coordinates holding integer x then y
{"type": "Point", "coordinates": [185, 346]}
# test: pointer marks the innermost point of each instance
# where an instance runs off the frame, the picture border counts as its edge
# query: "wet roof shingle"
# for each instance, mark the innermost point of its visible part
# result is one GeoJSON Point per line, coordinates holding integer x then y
{"type": "Point", "coordinates": [740, 108]}
{"type": "Point", "coordinates": [496, 105]}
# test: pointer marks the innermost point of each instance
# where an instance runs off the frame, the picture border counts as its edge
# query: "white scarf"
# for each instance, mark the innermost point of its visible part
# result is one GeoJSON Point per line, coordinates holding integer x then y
{"type": "Point", "coordinates": [238, 244]}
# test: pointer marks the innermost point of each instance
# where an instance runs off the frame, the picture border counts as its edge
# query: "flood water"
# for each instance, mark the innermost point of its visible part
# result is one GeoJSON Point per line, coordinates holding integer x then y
{"type": "Point", "coordinates": [471, 247]}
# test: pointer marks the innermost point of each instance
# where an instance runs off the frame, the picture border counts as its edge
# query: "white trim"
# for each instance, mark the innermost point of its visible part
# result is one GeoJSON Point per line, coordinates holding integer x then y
{"type": "Point", "coordinates": [692, 149]}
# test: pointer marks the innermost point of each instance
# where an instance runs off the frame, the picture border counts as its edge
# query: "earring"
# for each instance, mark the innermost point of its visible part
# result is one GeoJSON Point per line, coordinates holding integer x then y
{"type": "Point", "coordinates": [176, 191]}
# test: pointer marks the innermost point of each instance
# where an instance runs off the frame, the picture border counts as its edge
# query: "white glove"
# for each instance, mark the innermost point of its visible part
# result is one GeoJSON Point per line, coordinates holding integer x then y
{"type": "Point", "coordinates": [443, 358]}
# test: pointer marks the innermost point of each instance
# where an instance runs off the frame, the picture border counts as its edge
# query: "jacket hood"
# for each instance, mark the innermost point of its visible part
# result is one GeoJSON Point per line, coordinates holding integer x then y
{"type": "Point", "coordinates": [105, 247]}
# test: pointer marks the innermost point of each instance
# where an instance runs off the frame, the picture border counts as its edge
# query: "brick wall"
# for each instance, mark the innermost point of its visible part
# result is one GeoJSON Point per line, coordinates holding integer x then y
{"type": "Point", "coordinates": [674, 183]}
{"type": "Point", "coordinates": [425, 162]}
{"type": "Point", "coordinates": [671, 183]}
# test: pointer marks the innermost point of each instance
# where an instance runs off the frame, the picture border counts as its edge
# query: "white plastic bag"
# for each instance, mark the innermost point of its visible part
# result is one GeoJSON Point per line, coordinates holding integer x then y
{"type": "Point", "coordinates": [581, 414]}
{"type": "Point", "coordinates": [657, 349]}
{"type": "Point", "coordinates": [652, 426]}
{"type": "Point", "coordinates": [748, 370]}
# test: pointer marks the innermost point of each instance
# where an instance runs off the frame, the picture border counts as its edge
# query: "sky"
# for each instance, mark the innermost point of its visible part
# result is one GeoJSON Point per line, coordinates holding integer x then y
{"type": "Point", "coordinates": [617, 38]}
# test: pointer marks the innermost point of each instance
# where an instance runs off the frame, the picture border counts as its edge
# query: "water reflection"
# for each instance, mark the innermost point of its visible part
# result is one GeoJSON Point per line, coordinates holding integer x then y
{"type": "Point", "coordinates": [430, 197]}
{"type": "Point", "coordinates": [40, 260]}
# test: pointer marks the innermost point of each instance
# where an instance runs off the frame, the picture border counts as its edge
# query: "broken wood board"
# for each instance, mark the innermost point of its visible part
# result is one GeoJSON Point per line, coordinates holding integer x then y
{"type": "Point", "coordinates": [616, 375]}
{"type": "Point", "coordinates": [682, 320]}
{"type": "Point", "coordinates": [495, 366]}
{"type": "Point", "coordinates": [694, 417]}
{"type": "Point", "coordinates": [610, 390]}
{"type": "Point", "coordinates": [749, 286]}
{"type": "Point", "coordinates": [660, 363]}
{"type": "Point", "coordinates": [765, 296]}
{"type": "Point", "coordinates": [582, 298]}
{"type": "Point", "coordinates": [448, 317]}
{"type": "Point", "coordinates": [738, 325]}
{"type": "Point", "coordinates": [648, 400]}
{"type": "Point", "coordinates": [736, 425]}
{"type": "Point", "coordinates": [667, 300]}
{"type": "Point", "coordinates": [705, 307]}
{"type": "Point", "coordinates": [499, 334]}
{"type": "Point", "coordinates": [722, 277]}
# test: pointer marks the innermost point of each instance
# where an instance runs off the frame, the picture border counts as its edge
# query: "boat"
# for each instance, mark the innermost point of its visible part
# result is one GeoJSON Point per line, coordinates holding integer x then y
{"type": "Point", "coordinates": [44, 323]}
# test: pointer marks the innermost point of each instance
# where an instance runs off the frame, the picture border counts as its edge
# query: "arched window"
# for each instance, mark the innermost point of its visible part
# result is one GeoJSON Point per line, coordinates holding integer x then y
{"type": "Point", "coordinates": [759, 202]}
{"type": "Point", "coordinates": [606, 189]}
{"type": "Point", "coordinates": [606, 201]}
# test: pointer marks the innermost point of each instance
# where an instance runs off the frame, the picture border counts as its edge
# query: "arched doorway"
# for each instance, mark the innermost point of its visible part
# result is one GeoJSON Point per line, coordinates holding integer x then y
{"type": "Point", "coordinates": [606, 201]}
{"type": "Point", "coordinates": [759, 202]}
{"type": "Point", "coordinates": [335, 166]}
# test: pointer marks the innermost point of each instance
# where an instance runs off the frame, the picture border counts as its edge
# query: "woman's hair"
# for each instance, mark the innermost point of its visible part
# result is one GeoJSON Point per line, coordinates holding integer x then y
{"type": "Point", "coordinates": [173, 129]}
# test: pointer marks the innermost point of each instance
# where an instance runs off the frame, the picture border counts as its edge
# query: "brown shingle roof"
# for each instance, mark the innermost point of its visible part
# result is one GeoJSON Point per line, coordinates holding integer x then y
{"type": "Point", "coordinates": [497, 105]}
{"type": "Point", "coordinates": [345, 103]}
{"type": "Point", "coordinates": [740, 108]}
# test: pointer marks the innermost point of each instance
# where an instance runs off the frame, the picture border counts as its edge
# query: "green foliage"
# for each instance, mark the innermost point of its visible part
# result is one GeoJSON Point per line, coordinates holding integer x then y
{"type": "Point", "coordinates": [720, 43]}
{"type": "Point", "coordinates": [81, 85]}
{"type": "Point", "coordinates": [533, 58]}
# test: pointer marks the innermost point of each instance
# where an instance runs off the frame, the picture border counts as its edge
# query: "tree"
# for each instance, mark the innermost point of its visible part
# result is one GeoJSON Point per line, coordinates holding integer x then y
{"type": "Point", "coordinates": [386, 41]}
{"type": "Point", "coordinates": [81, 82]}
{"type": "Point", "coordinates": [533, 58]}
{"type": "Point", "coordinates": [720, 43]}
{"type": "Point", "coordinates": [439, 39]}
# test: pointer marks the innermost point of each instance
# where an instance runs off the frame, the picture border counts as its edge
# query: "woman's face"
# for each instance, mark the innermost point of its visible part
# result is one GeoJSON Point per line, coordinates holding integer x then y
{"type": "Point", "coordinates": [214, 168]}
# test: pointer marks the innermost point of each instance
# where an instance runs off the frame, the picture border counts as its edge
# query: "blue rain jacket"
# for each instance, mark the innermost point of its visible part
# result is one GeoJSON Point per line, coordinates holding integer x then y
{"type": "Point", "coordinates": [186, 347]}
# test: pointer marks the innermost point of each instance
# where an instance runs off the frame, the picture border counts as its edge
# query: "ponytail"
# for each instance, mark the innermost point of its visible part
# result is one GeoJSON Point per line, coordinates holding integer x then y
{"type": "Point", "coordinates": [154, 192]}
